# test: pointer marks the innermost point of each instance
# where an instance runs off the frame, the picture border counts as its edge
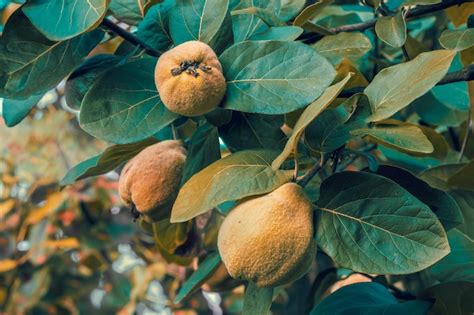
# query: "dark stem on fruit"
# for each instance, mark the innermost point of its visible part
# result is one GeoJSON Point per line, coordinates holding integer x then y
{"type": "Point", "coordinates": [190, 67]}
{"type": "Point", "coordinates": [135, 213]}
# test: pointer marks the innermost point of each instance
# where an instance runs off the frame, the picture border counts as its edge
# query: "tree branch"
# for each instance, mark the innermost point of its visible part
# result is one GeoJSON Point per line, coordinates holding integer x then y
{"type": "Point", "coordinates": [362, 26]}
{"type": "Point", "coordinates": [129, 37]}
{"type": "Point", "coordinates": [466, 74]}
{"type": "Point", "coordinates": [306, 178]}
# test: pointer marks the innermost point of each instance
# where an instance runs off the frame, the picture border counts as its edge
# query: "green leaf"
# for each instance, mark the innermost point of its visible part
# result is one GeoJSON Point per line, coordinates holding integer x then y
{"type": "Point", "coordinates": [290, 8]}
{"type": "Point", "coordinates": [453, 298]}
{"type": "Point", "coordinates": [465, 200]}
{"type": "Point", "coordinates": [309, 114]}
{"type": "Point", "coordinates": [458, 39]}
{"type": "Point", "coordinates": [207, 21]}
{"type": "Point", "coordinates": [257, 301]}
{"type": "Point", "coordinates": [392, 29]}
{"type": "Point", "coordinates": [80, 81]}
{"type": "Point", "coordinates": [396, 87]}
{"type": "Point", "coordinates": [127, 11]}
{"type": "Point", "coordinates": [288, 33]}
{"type": "Point", "coordinates": [464, 178]}
{"type": "Point", "coordinates": [253, 131]}
{"type": "Point", "coordinates": [242, 174]}
{"type": "Point", "coordinates": [31, 64]}
{"type": "Point", "coordinates": [265, 14]}
{"type": "Point", "coordinates": [370, 224]}
{"type": "Point", "coordinates": [105, 162]}
{"type": "Point", "coordinates": [433, 112]}
{"type": "Point", "coordinates": [205, 269]}
{"type": "Point", "coordinates": [421, 2]}
{"type": "Point", "coordinates": [440, 202]}
{"type": "Point", "coordinates": [14, 111]}
{"type": "Point", "coordinates": [343, 45]}
{"type": "Point", "coordinates": [154, 29]}
{"type": "Point", "coordinates": [438, 176]}
{"type": "Point", "coordinates": [71, 18]}
{"type": "Point", "coordinates": [403, 138]}
{"type": "Point", "coordinates": [123, 106]}
{"type": "Point", "coordinates": [368, 298]}
{"type": "Point", "coordinates": [331, 129]}
{"type": "Point", "coordinates": [244, 26]}
{"type": "Point", "coordinates": [459, 264]}
{"type": "Point", "coordinates": [203, 149]}
{"type": "Point", "coordinates": [310, 12]}
{"type": "Point", "coordinates": [272, 77]}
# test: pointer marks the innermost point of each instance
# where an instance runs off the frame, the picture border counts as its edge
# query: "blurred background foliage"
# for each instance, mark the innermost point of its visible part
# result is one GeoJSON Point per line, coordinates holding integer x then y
{"type": "Point", "coordinates": [78, 250]}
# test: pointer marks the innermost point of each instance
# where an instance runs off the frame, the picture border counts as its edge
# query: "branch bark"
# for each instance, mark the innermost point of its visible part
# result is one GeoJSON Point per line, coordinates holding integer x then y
{"type": "Point", "coordinates": [108, 24]}
{"type": "Point", "coordinates": [466, 74]}
{"type": "Point", "coordinates": [362, 26]}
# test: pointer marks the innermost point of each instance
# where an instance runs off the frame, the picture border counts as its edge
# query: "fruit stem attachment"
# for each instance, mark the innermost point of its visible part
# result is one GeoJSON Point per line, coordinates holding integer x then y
{"type": "Point", "coordinates": [190, 67]}
{"type": "Point", "coordinates": [135, 213]}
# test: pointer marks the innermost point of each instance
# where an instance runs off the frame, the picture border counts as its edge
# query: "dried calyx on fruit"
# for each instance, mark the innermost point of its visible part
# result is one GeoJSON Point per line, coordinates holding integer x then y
{"type": "Point", "coordinates": [189, 79]}
{"type": "Point", "coordinates": [149, 183]}
{"type": "Point", "coordinates": [269, 239]}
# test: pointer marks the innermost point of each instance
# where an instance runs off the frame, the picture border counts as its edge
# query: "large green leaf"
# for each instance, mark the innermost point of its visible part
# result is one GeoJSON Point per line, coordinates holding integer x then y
{"type": "Point", "coordinates": [459, 264]}
{"type": "Point", "coordinates": [278, 33]}
{"type": "Point", "coordinates": [392, 29]}
{"type": "Point", "coordinates": [332, 128]}
{"type": "Point", "coordinates": [370, 224]}
{"type": "Point", "coordinates": [465, 200]}
{"type": "Point", "coordinates": [273, 77]}
{"type": "Point", "coordinates": [105, 162]}
{"type": "Point", "coordinates": [451, 298]}
{"type": "Point", "coordinates": [253, 131]}
{"type": "Point", "coordinates": [203, 149]}
{"type": "Point", "coordinates": [367, 298]}
{"type": "Point", "coordinates": [244, 26]}
{"type": "Point", "coordinates": [154, 29]}
{"type": "Point", "coordinates": [14, 111]}
{"type": "Point", "coordinates": [440, 202]}
{"type": "Point", "coordinates": [257, 301]}
{"type": "Point", "coordinates": [404, 138]}
{"type": "Point", "coordinates": [205, 20]}
{"type": "Point", "coordinates": [80, 81]}
{"type": "Point", "coordinates": [123, 106]}
{"type": "Point", "coordinates": [127, 11]}
{"type": "Point", "coordinates": [242, 174]}
{"type": "Point", "coordinates": [61, 20]}
{"type": "Point", "coordinates": [205, 269]}
{"type": "Point", "coordinates": [396, 87]}
{"type": "Point", "coordinates": [309, 114]}
{"type": "Point", "coordinates": [290, 8]}
{"type": "Point", "coordinates": [458, 39]}
{"type": "Point", "coordinates": [464, 178]}
{"type": "Point", "coordinates": [31, 64]}
{"type": "Point", "coordinates": [343, 45]}
{"type": "Point", "coordinates": [311, 12]}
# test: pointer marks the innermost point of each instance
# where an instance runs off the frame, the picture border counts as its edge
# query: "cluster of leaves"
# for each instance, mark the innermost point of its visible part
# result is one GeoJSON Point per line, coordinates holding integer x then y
{"type": "Point", "coordinates": [313, 92]}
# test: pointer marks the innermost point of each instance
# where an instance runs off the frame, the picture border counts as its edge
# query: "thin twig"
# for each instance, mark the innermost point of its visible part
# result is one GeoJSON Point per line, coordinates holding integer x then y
{"type": "Point", "coordinates": [303, 181]}
{"type": "Point", "coordinates": [466, 135]}
{"type": "Point", "coordinates": [423, 10]}
{"type": "Point", "coordinates": [362, 26]}
{"type": "Point", "coordinates": [466, 74]}
{"type": "Point", "coordinates": [174, 132]}
{"type": "Point", "coordinates": [129, 37]}
{"type": "Point", "coordinates": [454, 139]}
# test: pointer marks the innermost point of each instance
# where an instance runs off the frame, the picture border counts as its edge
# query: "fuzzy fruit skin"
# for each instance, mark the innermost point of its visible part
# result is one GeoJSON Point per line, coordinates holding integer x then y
{"type": "Point", "coordinates": [269, 239]}
{"type": "Point", "coordinates": [184, 93]}
{"type": "Point", "coordinates": [151, 179]}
